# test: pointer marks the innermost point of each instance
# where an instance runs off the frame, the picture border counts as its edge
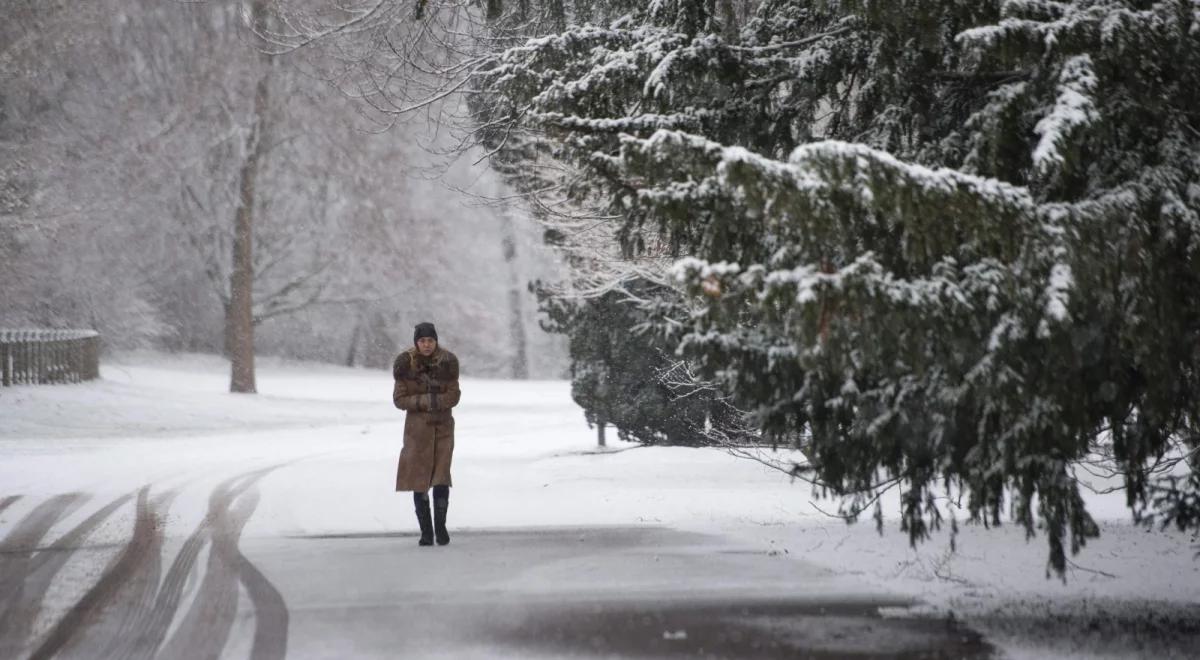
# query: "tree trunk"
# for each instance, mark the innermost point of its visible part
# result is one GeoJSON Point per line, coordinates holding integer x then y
{"type": "Point", "coordinates": [239, 320]}
{"type": "Point", "coordinates": [352, 353]}
{"type": "Point", "coordinates": [729, 24]}
{"type": "Point", "coordinates": [558, 15]}
{"type": "Point", "coordinates": [520, 361]}
{"type": "Point", "coordinates": [600, 434]}
{"type": "Point", "coordinates": [227, 335]}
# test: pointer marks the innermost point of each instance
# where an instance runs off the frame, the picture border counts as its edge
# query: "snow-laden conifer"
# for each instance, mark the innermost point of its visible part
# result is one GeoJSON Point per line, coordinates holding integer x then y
{"type": "Point", "coordinates": [948, 246]}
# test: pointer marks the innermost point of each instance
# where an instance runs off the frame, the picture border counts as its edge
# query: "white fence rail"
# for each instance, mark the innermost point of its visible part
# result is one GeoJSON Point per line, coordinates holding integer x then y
{"type": "Point", "coordinates": [31, 357]}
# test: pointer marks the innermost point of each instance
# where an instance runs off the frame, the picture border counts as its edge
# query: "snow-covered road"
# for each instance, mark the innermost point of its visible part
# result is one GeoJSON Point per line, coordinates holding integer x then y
{"type": "Point", "coordinates": [151, 513]}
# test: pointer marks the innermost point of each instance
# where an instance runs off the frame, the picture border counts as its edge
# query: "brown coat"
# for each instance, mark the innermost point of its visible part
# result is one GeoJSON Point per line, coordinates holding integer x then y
{"type": "Point", "coordinates": [426, 388]}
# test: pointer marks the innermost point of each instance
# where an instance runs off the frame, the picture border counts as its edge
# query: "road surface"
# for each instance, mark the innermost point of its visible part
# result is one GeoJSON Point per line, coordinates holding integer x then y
{"type": "Point", "coordinates": [591, 592]}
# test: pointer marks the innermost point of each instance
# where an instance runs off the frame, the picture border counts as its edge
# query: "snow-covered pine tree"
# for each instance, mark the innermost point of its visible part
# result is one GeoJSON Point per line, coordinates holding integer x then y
{"type": "Point", "coordinates": [989, 273]}
{"type": "Point", "coordinates": [624, 375]}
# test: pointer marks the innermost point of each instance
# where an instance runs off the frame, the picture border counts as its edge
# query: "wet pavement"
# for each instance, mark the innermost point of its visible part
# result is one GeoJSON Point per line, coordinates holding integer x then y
{"type": "Point", "coordinates": [614, 592]}
{"type": "Point", "coordinates": [597, 592]}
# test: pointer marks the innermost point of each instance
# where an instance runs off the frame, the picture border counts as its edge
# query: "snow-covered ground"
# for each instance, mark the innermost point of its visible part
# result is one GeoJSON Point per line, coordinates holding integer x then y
{"type": "Point", "coordinates": [319, 443]}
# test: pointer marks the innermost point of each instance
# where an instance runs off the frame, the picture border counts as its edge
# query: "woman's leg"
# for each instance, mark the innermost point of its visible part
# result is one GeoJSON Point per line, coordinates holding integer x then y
{"type": "Point", "coordinates": [441, 503]}
{"type": "Point", "coordinates": [424, 519]}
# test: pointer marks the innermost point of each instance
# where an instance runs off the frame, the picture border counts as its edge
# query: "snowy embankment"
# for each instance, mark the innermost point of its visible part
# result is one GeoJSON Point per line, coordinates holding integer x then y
{"type": "Point", "coordinates": [525, 459]}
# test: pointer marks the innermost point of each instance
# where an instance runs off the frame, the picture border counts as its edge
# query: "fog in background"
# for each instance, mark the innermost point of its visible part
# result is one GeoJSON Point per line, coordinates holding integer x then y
{"type": "Point", "coordinates": [126, 127]}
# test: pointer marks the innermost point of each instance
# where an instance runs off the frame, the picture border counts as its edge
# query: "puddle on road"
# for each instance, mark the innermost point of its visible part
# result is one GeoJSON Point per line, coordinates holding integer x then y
{"type": "Point", "coordinates": [763, 630]}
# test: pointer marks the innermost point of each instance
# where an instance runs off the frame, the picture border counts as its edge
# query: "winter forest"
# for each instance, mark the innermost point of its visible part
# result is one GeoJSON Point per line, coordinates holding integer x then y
{"type": "Point", "coordinates": [140, 138]}
{"type": "Point", "coordinates": [934, 263]}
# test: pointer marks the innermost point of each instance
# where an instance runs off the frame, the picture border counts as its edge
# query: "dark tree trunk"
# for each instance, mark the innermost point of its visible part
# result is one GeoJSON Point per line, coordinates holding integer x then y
{"type": "Point", "coordinates": [239, 319]}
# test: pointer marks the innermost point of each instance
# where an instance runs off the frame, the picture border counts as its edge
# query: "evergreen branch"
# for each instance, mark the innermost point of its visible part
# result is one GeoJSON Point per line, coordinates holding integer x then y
{"type": "Point", "coordinates": [989, 77]}
{"type": "Point", "coordinates": [799, 43]}
{"type": "Point", "coordinates": [877, 491]}
{"type": "Point", "coordinates": [1090, 570]}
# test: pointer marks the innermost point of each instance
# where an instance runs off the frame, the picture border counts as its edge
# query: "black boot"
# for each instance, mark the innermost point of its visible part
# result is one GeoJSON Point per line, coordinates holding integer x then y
{"type": "Point", "coordinates": [421, 500]}
{"type": "Point", "coordinates": [441, 502]}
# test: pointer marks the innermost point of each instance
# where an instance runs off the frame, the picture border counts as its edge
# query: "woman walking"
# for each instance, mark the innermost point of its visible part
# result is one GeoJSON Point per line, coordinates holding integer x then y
{"type": "Point", "coordinates": [426, 389]}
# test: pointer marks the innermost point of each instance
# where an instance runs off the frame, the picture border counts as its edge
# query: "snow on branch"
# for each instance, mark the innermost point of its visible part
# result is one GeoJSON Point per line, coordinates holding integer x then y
{"type": "Point", "coordinates": [823, 193]}
{"type": "Point", "coordinates": [1043, 29]}
{"type": "Point", "coordinates": [811, 158]}
{"type": "Point", "coordinates": [1074, 109]}
{"type": "Point", "coordinates": [638, 124]}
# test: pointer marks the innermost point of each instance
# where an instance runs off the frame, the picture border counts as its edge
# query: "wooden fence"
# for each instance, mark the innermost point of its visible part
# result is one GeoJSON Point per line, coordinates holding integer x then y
{"type": "Point", "coordinates": [30, 357]}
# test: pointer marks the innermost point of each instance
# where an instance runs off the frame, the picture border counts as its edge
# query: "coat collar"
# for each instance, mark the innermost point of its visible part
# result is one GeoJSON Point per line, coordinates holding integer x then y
{"type": "Point", "coordinates": [415, 358]}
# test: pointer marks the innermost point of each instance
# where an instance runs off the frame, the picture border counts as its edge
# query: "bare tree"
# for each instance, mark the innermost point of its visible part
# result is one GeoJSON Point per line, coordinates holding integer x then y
{"type": "Point", "coordinates": [520, 360]}
{"type": "Point", "coordinates": [239, 316]}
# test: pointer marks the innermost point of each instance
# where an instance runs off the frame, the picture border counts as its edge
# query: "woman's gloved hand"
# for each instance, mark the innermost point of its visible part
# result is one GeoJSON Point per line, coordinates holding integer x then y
{"type": "Point", "coordinates": [431, 384]}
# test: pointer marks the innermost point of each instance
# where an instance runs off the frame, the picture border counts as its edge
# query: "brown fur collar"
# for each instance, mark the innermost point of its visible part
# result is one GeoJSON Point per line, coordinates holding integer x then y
{"type": "Point", "coordinates": [411, 363]}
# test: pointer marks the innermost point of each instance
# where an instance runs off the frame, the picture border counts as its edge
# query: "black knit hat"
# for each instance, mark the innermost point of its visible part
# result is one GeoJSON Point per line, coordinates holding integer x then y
{"type": "Point", "coordinates": [424, 330]}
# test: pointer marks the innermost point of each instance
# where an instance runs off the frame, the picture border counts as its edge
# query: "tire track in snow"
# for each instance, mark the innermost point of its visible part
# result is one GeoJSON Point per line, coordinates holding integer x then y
{"type": "Point", "coordinates": [19, 545]}
{"type": "Point", "coordinates": [60, 550]}
{"type": "Point", "coordinates": [16, 552]}
{"type": "Point", "coordinates": [206, 626]}
{"type": "Point", "coordinates": [17, 622]}
{"type": "Point", "coordinates": [145, 642]}
{"type": "Point", "coordinates": [7, 501]}
{"type": "Point", "coordinates": [270, 611]}
{"type": "Point", "coordinates": [134, 604]}
{"type": "Point", "coordinates": [146, 537]}
{"type": "Point", "coordinates": [127, 613]}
